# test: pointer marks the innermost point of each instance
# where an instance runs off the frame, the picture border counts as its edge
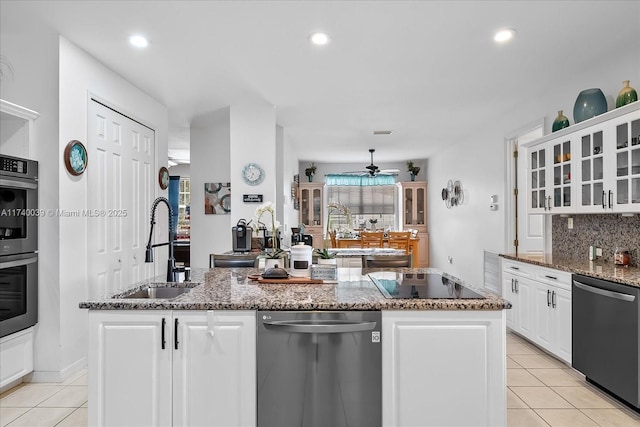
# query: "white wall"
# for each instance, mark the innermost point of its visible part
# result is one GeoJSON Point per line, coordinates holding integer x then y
{"type": "Point", "coordinates": [182, 170]}
{"type": "Point", "coordinates": [210, 154]}
{"type": "Point", "coordinates": [479, 162]}
{"type": "Point", "coordinates": [81, 76]}
{"type": "Point", "coordinates": [329, 168]}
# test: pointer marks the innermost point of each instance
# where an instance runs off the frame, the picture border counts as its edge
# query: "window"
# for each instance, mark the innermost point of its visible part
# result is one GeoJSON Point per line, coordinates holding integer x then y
{"type": "Point", "coordinates": [184, 209]}
{"type": "Point", "coordinates": [372, 207]}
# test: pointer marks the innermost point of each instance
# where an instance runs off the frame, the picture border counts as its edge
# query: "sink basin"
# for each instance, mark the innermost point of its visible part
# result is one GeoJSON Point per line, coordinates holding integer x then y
{"type": "Point", "coordinates": [158, 293]}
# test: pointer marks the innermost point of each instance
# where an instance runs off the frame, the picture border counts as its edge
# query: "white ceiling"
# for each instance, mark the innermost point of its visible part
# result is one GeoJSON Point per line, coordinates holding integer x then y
{"type": "Point", "coordinates": [419, 68]}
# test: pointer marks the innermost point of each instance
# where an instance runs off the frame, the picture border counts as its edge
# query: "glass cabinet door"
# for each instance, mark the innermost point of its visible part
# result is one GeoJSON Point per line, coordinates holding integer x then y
{"type": "Point", "coordinates": [627, 187]}
{"type": "Point", "coordinates": [420, 203]}
{"type": "Point", "coordinates": [408, 207]}
{"type": "Point", "coordinates": [317, 206]}
{"type": "Point", "coordinates": [305, 206]}
{"type": "Point", "coordinates": [537, 166]}
{"type": "Point", "coordinates": [562, 174]}
{"type": "Point", "coordinates": [592, 152]}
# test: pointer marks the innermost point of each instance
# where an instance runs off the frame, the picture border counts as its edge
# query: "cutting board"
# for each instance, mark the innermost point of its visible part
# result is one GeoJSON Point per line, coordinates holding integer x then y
{"type": "Point", "coordinates": [288, 280]}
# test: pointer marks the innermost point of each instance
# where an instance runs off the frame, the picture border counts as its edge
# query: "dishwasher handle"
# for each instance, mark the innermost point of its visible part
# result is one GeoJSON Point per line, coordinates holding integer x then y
{"type": "Point", "coordinates": [319, 326]}
{"type": "Point", "coordinates": [604, 292]}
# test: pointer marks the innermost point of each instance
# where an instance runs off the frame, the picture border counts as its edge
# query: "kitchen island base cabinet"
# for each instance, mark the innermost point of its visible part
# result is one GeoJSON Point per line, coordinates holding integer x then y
{"type": "Point", "coordinates": [204, 375]}
{"type": "Point", "coordinates": [444, 368]}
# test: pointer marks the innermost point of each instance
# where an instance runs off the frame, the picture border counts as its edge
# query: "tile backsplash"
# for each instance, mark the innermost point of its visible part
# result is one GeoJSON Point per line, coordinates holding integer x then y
{"type": "Point", "coordinates": [606, 231]}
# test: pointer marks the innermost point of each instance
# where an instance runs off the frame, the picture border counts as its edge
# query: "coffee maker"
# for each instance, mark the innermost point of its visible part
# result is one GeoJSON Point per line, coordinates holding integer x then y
{"type": "Point", "coordinates": [241, 236]}
{"type": "Point", "coordinates": [298, 236]}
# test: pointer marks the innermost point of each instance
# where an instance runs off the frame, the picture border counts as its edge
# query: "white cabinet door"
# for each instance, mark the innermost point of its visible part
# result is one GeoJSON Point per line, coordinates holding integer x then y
{"type": "Point", "coordinates": [561, 303]}
{"type": "Point", "coordinates": [543, 311]}
{"type": "Point", "coordinates": [129, 370]}
{"type": "Point", "coordinates": [525, 289]}
{"type": "Point", "coordinates": [623, 187]}
{"type": "Point", "coordinates": [214, 368]}
{"type": "Point", "coordinates": [436, 361]}
{"type": "Point", "coordinates": [509, 293]}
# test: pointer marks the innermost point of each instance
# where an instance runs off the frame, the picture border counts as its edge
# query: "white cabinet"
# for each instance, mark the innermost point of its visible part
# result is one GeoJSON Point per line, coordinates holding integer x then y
{"type": "Point", "coordinates": [593, 166]}
{"type": "Point", "coordinates": [16, 357]}
{"type": "Point", "coordinates": [435, 361]}
{"type": "Point", "coordinates": [172, 368]}
{"type": "Point", "coordinates": [541, 300]}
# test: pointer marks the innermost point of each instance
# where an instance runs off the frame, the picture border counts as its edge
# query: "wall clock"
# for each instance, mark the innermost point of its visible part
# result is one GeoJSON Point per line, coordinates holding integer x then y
{"type": "Point", "coordinates": [163, 178]}
{"type": "Point", "coordinates": [75, 157]}
{"type": "Point", "coordinates": [252, 174]}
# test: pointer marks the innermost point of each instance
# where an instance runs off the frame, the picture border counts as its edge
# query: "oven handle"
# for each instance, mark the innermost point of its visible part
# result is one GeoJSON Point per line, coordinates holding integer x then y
{"type": "Point", "coordinates": [19, 262]}
{"type": "Point", "coordinates": [320, 327]}
{"type": "Point", "coordinates": [604, 292]}
{"type": "Point", "coordinates": [18, 184]}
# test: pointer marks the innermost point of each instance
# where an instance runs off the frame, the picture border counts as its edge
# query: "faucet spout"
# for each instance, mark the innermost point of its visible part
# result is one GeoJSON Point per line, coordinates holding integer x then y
{"type": "Point", "coordinates": [171, 262]}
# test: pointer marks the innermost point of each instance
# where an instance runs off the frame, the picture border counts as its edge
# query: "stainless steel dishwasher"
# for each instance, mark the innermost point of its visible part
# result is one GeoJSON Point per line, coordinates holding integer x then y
{"type": "Point", "coordinates": [319, 368]}
{"type": "Point", "coordinates": [606, 336]}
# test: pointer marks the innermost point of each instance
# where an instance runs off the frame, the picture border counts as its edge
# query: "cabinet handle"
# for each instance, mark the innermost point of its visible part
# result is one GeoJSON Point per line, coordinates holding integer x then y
{"type": "Point", "coordinates": [516, 280]}
{"type": "Point", "coordinates": [548, 299]}
{"type": "Point", "coordinates": [551, 277]}
{"type": "Point", "coordinates": [553, 299]}
{"type": "Point", "coordinates": [604, 206]}
{"type": "Point", "coordinates": [610, 199]}
{"type": "Point", "coordinates": [512, 289]}
{"type": "Point", "coordinates": [164, 341]}
{"type": "Point", "coordinates": [175, 334]}
{"type": "Point", "coordinates": [515, 268]}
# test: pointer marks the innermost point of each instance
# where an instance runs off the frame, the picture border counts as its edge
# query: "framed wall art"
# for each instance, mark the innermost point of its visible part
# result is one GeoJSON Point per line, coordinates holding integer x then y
{"type": "Point", "coordinates": [217, 198]}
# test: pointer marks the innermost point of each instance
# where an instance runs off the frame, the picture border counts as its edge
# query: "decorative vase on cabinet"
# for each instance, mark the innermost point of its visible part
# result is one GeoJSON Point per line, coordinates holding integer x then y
{"type": "Point", "coordinates": [590, 103]}
{"type": "Point", "coordinates": [627, 95]}
{"type": "Point", "coordinates": [560, 122]}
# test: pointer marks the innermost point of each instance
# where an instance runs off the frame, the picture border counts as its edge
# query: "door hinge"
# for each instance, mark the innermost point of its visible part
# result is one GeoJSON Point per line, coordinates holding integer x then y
{"type": "Point", "coordinates": [515, 153]}
{"type": "Point", "coordinates": [515, 243]}
{"type": "Point", "coordinates": [515, 191]}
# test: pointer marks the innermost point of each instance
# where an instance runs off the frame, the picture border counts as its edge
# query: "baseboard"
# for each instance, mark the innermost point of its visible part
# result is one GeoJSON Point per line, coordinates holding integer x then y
{"type": "Point", "coordinates": [56, 376]}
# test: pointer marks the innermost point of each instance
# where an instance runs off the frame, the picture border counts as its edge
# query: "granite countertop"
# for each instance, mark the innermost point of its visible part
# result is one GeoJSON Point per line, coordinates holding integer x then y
{"type": "Point", "coordinates": [230, 289]}
{"type": "Point", "coordinates": [346, 252]}
{"type": "Point", "coordinates": [598, 269]}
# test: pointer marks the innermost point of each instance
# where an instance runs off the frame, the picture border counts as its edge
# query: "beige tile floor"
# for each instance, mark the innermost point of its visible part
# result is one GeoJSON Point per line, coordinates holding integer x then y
{"type": "Point", "coordinates": [46, 404]}
{"type": "Point", "coordinates": [541, 391]}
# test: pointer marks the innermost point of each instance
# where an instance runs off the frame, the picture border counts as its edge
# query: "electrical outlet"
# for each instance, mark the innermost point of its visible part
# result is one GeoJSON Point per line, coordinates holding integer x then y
{"type": "Point", "coordinates": [450, 259]}
{"type": "Point", "coordinates": [598, 251]}
{"type": "Point", "coordinates": [570, 223]}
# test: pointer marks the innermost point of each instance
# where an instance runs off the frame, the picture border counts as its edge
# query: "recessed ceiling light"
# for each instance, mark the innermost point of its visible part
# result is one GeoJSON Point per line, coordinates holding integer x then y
{"type": "Point", "coordinates": [138, 41]}
{"type": "Point", "coordinates": [505, 35]}
{"type": "Point", "coordinates": [319, 39]}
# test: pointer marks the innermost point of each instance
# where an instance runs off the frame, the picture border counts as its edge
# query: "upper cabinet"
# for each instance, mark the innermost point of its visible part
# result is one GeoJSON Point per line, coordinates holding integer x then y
{"type": "Point", "coordinates": [16, 130]}
{"type": "Point", "coordinates": [593, 166]}
{"type": "Point", "coordinates": [414, 196]}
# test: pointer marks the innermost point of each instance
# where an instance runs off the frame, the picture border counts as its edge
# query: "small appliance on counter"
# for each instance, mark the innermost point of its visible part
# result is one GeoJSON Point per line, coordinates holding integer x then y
{"type": "Point", "coordinates": [298, 236]}
{"type": "Point", "coordinates": [301, 260]}
{"type": "Point", "coordinates": [241, 236]}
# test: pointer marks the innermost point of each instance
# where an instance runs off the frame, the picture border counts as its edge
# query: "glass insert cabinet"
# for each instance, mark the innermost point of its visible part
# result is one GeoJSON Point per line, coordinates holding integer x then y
{"type": "Point", "coordinates": [591, 167]}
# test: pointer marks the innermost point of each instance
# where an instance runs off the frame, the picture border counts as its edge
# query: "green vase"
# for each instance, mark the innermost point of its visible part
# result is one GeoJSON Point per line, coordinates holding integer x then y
{"type": "Point", "coordinates": [560, 122]}
{"type": "Point", "coordinates": [627, 95]}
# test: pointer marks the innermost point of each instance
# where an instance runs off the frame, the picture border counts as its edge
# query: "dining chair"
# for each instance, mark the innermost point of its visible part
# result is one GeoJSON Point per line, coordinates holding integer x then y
{"type": "Point", "coordinates": [232, 260]}
{"type": "Point", "coordinates": [334, 240]}
{"type": "Point", "coordinates": [388, 261]}
{"type": "Point", "coordinates": [399, 240]}
{"type": "Point", "coordinates": [371, 239]}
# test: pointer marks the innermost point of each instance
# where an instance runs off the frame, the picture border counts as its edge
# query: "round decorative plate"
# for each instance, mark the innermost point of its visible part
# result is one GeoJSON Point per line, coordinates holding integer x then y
{"type": "Point", "coordinates": [252, 174]}
{"type": "Point", "coordinates": [75, 157]}
{"type": "Point", "coordinates": [163, 178]}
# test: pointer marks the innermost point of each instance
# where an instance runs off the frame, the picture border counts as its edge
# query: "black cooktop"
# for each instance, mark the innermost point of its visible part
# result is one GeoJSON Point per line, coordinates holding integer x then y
{"type": "Point", "coordinates": [420, 285]}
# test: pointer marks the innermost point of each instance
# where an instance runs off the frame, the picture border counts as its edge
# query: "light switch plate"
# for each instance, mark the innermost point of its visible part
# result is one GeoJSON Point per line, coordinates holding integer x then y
{"type": "Point", "coordinates": [570, 223]}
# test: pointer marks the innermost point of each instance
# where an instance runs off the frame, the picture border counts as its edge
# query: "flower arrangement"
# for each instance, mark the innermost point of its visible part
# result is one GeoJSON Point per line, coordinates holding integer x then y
{"type": "Point", "coordinates": [275, 254]}
{"type": "Point", "coordinates": [413, 170]}
{"type": "Point", "coordinates": [310, 171]}
{"type": "Point", "coordinates": [275, 224]}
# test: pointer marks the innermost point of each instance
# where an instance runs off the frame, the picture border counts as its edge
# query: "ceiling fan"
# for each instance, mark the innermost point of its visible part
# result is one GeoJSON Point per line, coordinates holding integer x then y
{"type": "Point", "coordinates": [373, 170]}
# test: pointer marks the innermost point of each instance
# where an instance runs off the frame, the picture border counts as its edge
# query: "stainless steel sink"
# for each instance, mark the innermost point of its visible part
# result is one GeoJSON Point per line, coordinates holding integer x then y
{"type": "Point", "coordinates": [157, 293]}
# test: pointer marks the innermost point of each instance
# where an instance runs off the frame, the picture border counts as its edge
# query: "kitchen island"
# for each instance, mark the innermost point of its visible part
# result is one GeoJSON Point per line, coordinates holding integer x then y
{"type": "Point", "coordinates": [191, 359]}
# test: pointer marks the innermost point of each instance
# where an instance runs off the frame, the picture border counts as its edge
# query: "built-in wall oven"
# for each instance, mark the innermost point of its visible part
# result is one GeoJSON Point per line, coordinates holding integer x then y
{"type": "Point", "coordinates": [18, 244]}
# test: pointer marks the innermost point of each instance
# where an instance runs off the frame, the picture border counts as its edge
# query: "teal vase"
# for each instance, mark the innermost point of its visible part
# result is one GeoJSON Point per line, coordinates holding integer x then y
{"type": "Point", "coordinates": [560, 122]}
{"type": "Point", "coordinates": [627, 95]}
{"type": "Point", "coordinates": [590, 103]}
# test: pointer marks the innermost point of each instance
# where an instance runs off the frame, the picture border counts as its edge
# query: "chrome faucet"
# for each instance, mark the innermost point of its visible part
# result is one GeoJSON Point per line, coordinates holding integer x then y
{"type": "Point", "coordinates": [171, 263]}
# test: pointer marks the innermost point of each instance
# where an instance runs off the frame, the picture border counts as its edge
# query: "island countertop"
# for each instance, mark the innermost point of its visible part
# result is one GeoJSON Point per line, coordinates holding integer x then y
{"type": "Point", "coordinates": [231, 289]}
{"type": "Point", "coordinates": [601, 270]}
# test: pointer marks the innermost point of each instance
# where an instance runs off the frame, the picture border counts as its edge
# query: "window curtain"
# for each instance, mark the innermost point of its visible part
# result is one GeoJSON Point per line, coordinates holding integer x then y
{"type": "Point", "coordinates": [364, 200]}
